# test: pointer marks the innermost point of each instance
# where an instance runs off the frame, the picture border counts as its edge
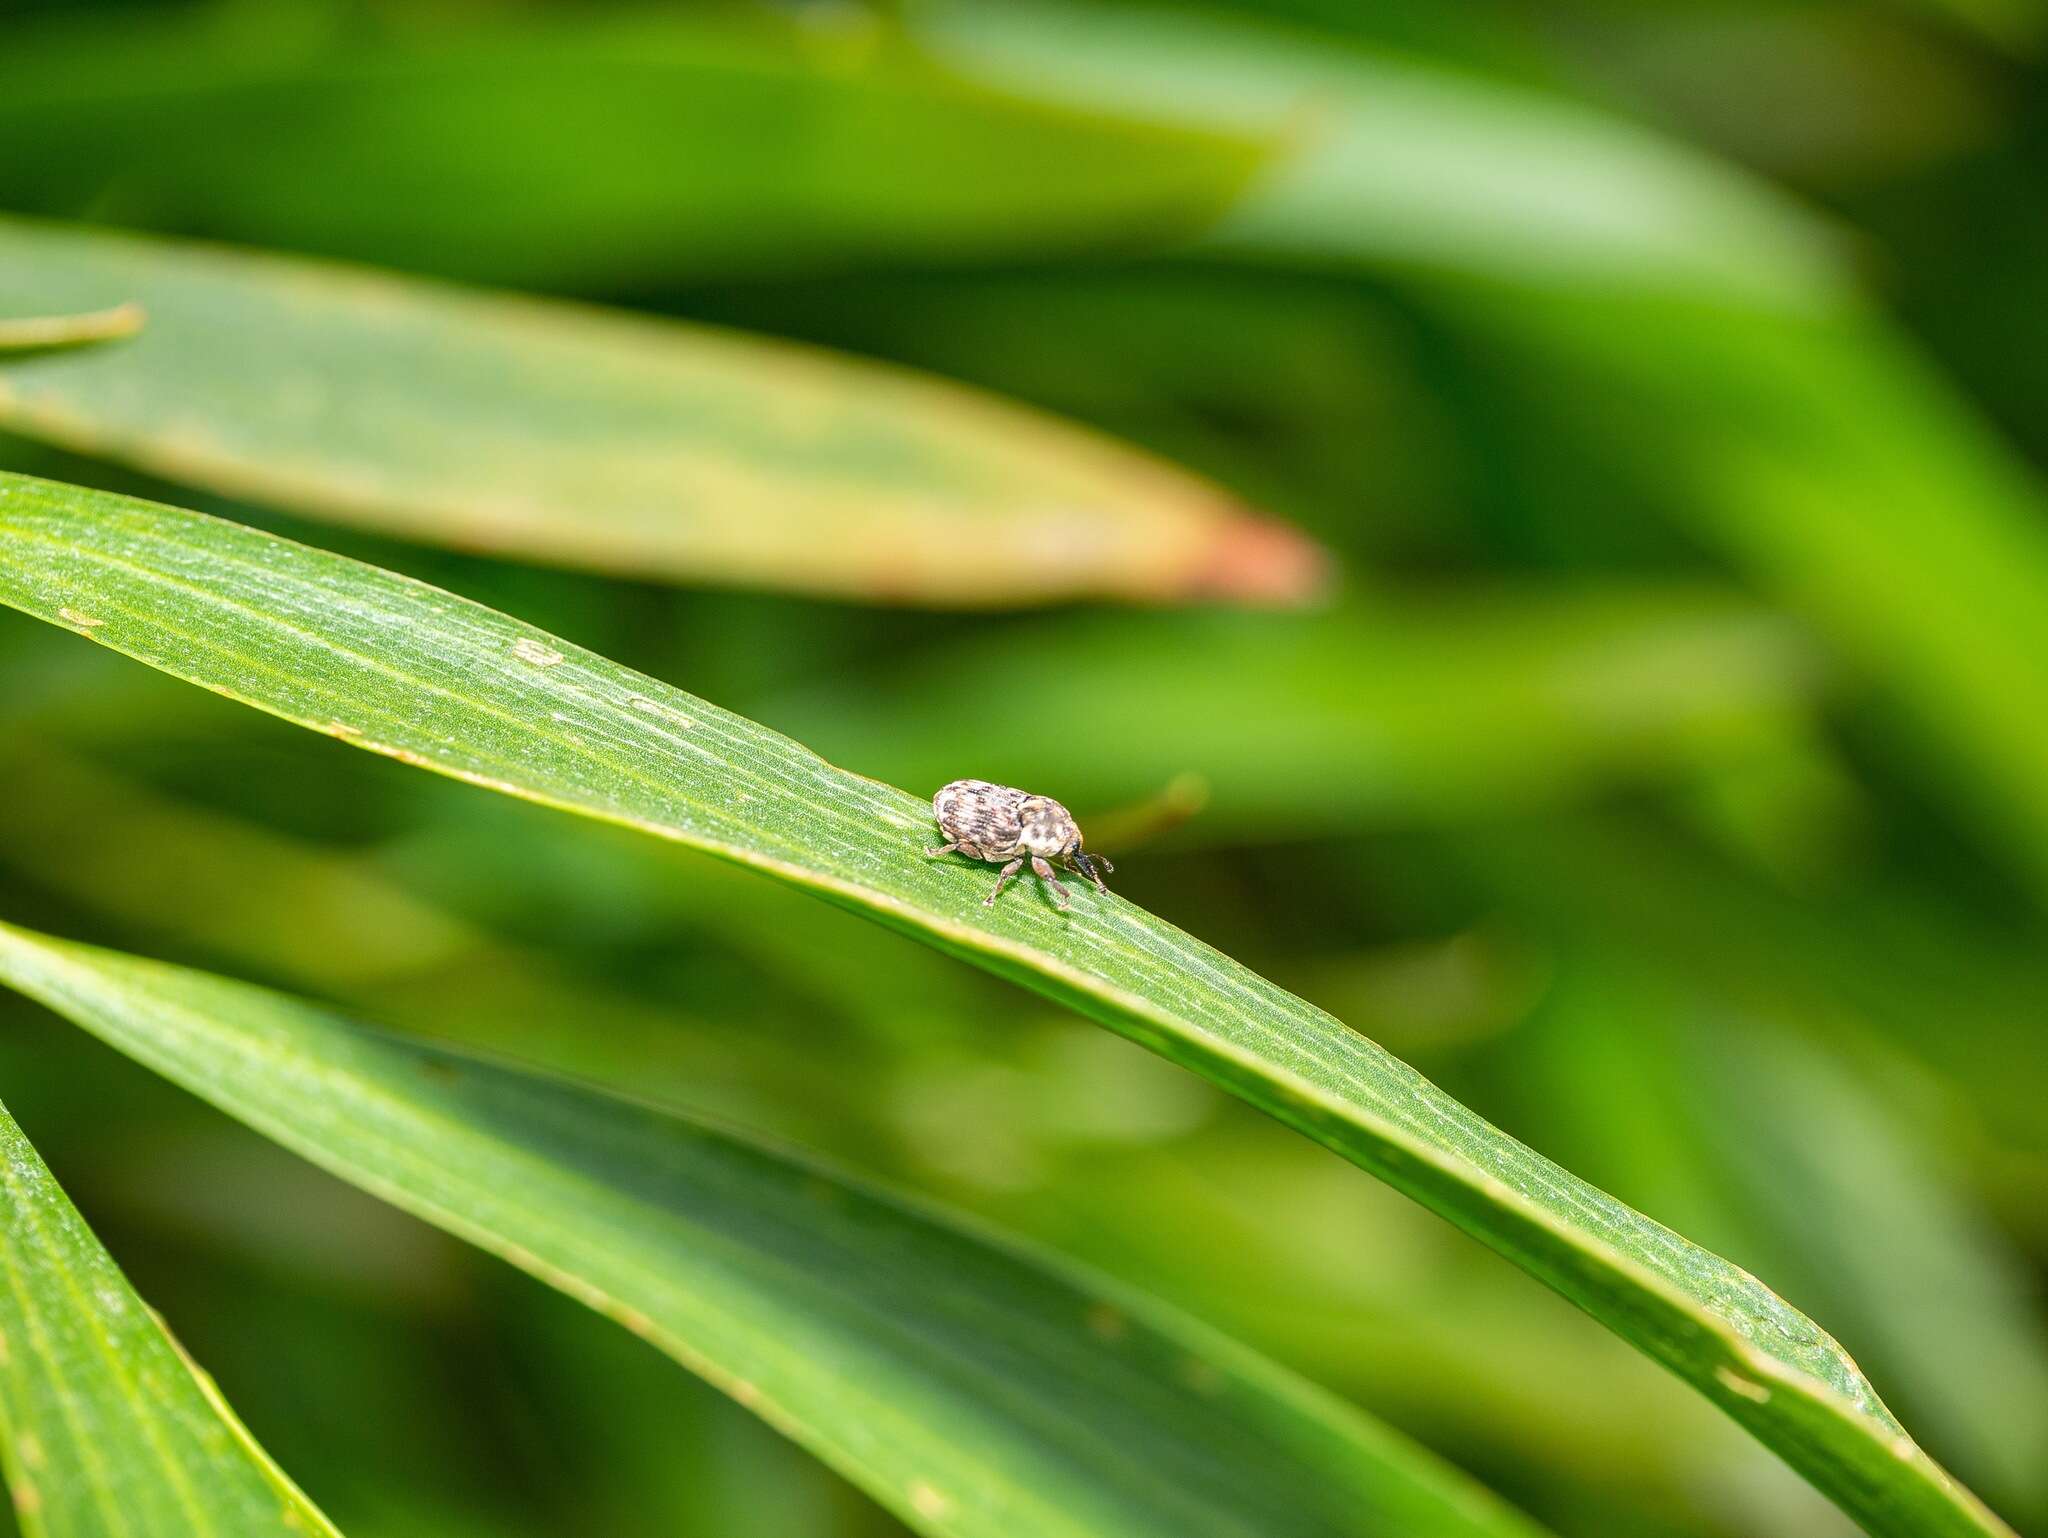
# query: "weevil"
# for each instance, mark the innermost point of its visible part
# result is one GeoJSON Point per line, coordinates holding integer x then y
{"type": "Point", "coordinates": [997, 823]}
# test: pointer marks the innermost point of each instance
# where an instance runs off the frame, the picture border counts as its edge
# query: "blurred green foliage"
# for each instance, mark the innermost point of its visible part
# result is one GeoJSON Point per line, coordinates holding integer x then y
{"type": "Point", "coordinates": [1670, 780]}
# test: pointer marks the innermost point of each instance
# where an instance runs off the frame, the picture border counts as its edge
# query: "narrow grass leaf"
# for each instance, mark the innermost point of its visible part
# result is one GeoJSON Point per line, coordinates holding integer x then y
{"type": "Point", "coordinates": [109, 1430]}
{"type": "Point", "coordinates": [966, 1384]}
{"type": "Point", "coordinates": [591, 438]}
{"type": "Point", "coordinates": [406, 670]}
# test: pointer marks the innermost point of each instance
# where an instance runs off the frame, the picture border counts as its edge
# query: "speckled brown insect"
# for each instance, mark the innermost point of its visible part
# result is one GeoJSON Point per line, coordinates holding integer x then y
{"type": "Point", "coordinates": [997, 823]}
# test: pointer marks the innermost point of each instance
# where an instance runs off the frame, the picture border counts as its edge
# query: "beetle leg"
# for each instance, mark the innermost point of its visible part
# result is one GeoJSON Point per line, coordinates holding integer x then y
{"type": "Point", "coordinates": [1059, 893]}
{"type": "Point", "coordinates": [1001, 881]}
{"type": "Point", "coordinates": [1086, 863]}
{"type": "Point", "coordinates": [933, 854]}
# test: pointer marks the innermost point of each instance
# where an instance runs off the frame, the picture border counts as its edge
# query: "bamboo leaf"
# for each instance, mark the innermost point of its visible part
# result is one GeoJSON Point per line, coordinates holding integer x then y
{"type": "Point", "coordinates": [584, 150]}
{"type": "Point", "coordinates": [1391, 158]}
{"type": "Point", "coordinates": [596, 439]}
{"type": "Point", "coordinates": [109, 1430]}
{"type": "Point", "coordinates": [972, 1387]}
{"type": "Point", "coordinates": [420, 675]}
{"type": "Point", "coordinates": [988, 129]}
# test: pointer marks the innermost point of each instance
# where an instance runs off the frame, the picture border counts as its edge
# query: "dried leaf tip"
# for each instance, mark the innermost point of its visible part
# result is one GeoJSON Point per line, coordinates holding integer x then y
{"type": "Point", "coordinates": [1264, 563]}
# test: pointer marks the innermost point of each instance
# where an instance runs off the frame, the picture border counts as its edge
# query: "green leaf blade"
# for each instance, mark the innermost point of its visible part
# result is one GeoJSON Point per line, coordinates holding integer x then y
{"type": "Point", "coordinates": [109, 1430]}
{"type": "Point", "coordinates": [1392, 159]}
{"type": "Point", "coordinates": [790, 143]}
{"type": "Point", "coordinates": [966, 1384]}
{"type": "Point", "coordinates": [1891, 487]}
{"type": "Point", "coordinates": [602, 440]}
{"type": "Point", "coordinates": [403, 669]}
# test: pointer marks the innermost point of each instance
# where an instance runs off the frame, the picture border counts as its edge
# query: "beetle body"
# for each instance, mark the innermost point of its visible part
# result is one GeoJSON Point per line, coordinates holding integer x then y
{"type": "Point", "coordinates": [1007, 827]}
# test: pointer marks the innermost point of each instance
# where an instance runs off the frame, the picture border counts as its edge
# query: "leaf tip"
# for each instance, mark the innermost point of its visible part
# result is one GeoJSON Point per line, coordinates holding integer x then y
{"type": "Point", "coordinates": [1264, 563]}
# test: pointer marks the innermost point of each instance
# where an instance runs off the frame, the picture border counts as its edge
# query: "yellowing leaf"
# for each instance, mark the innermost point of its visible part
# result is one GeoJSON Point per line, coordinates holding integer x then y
{"type": "Point", "coordinates": [624, 444]}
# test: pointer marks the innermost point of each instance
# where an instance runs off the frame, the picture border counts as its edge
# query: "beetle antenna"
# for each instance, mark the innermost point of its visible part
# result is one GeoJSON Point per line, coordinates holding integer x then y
{"type": "Point", "coordinates": [1087, 863]}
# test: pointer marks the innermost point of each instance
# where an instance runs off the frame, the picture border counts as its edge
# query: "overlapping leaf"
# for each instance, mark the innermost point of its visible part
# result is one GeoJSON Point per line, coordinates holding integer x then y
{"type": "Point", "coordinates": [972, 1387]}
{"type": "Point", "coordinates": [1390, 158]}
{"type": "Point", "coordinates": [109, 1431]}
{"type": "Point", "coordinates": [598, 147]}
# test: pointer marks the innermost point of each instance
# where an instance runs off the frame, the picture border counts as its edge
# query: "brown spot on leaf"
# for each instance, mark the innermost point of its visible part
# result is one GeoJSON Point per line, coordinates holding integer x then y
{"type": "Point", "coordinates": [1107, 1321]}
{"type": "Point", "coordinates": [1736, 1383]}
